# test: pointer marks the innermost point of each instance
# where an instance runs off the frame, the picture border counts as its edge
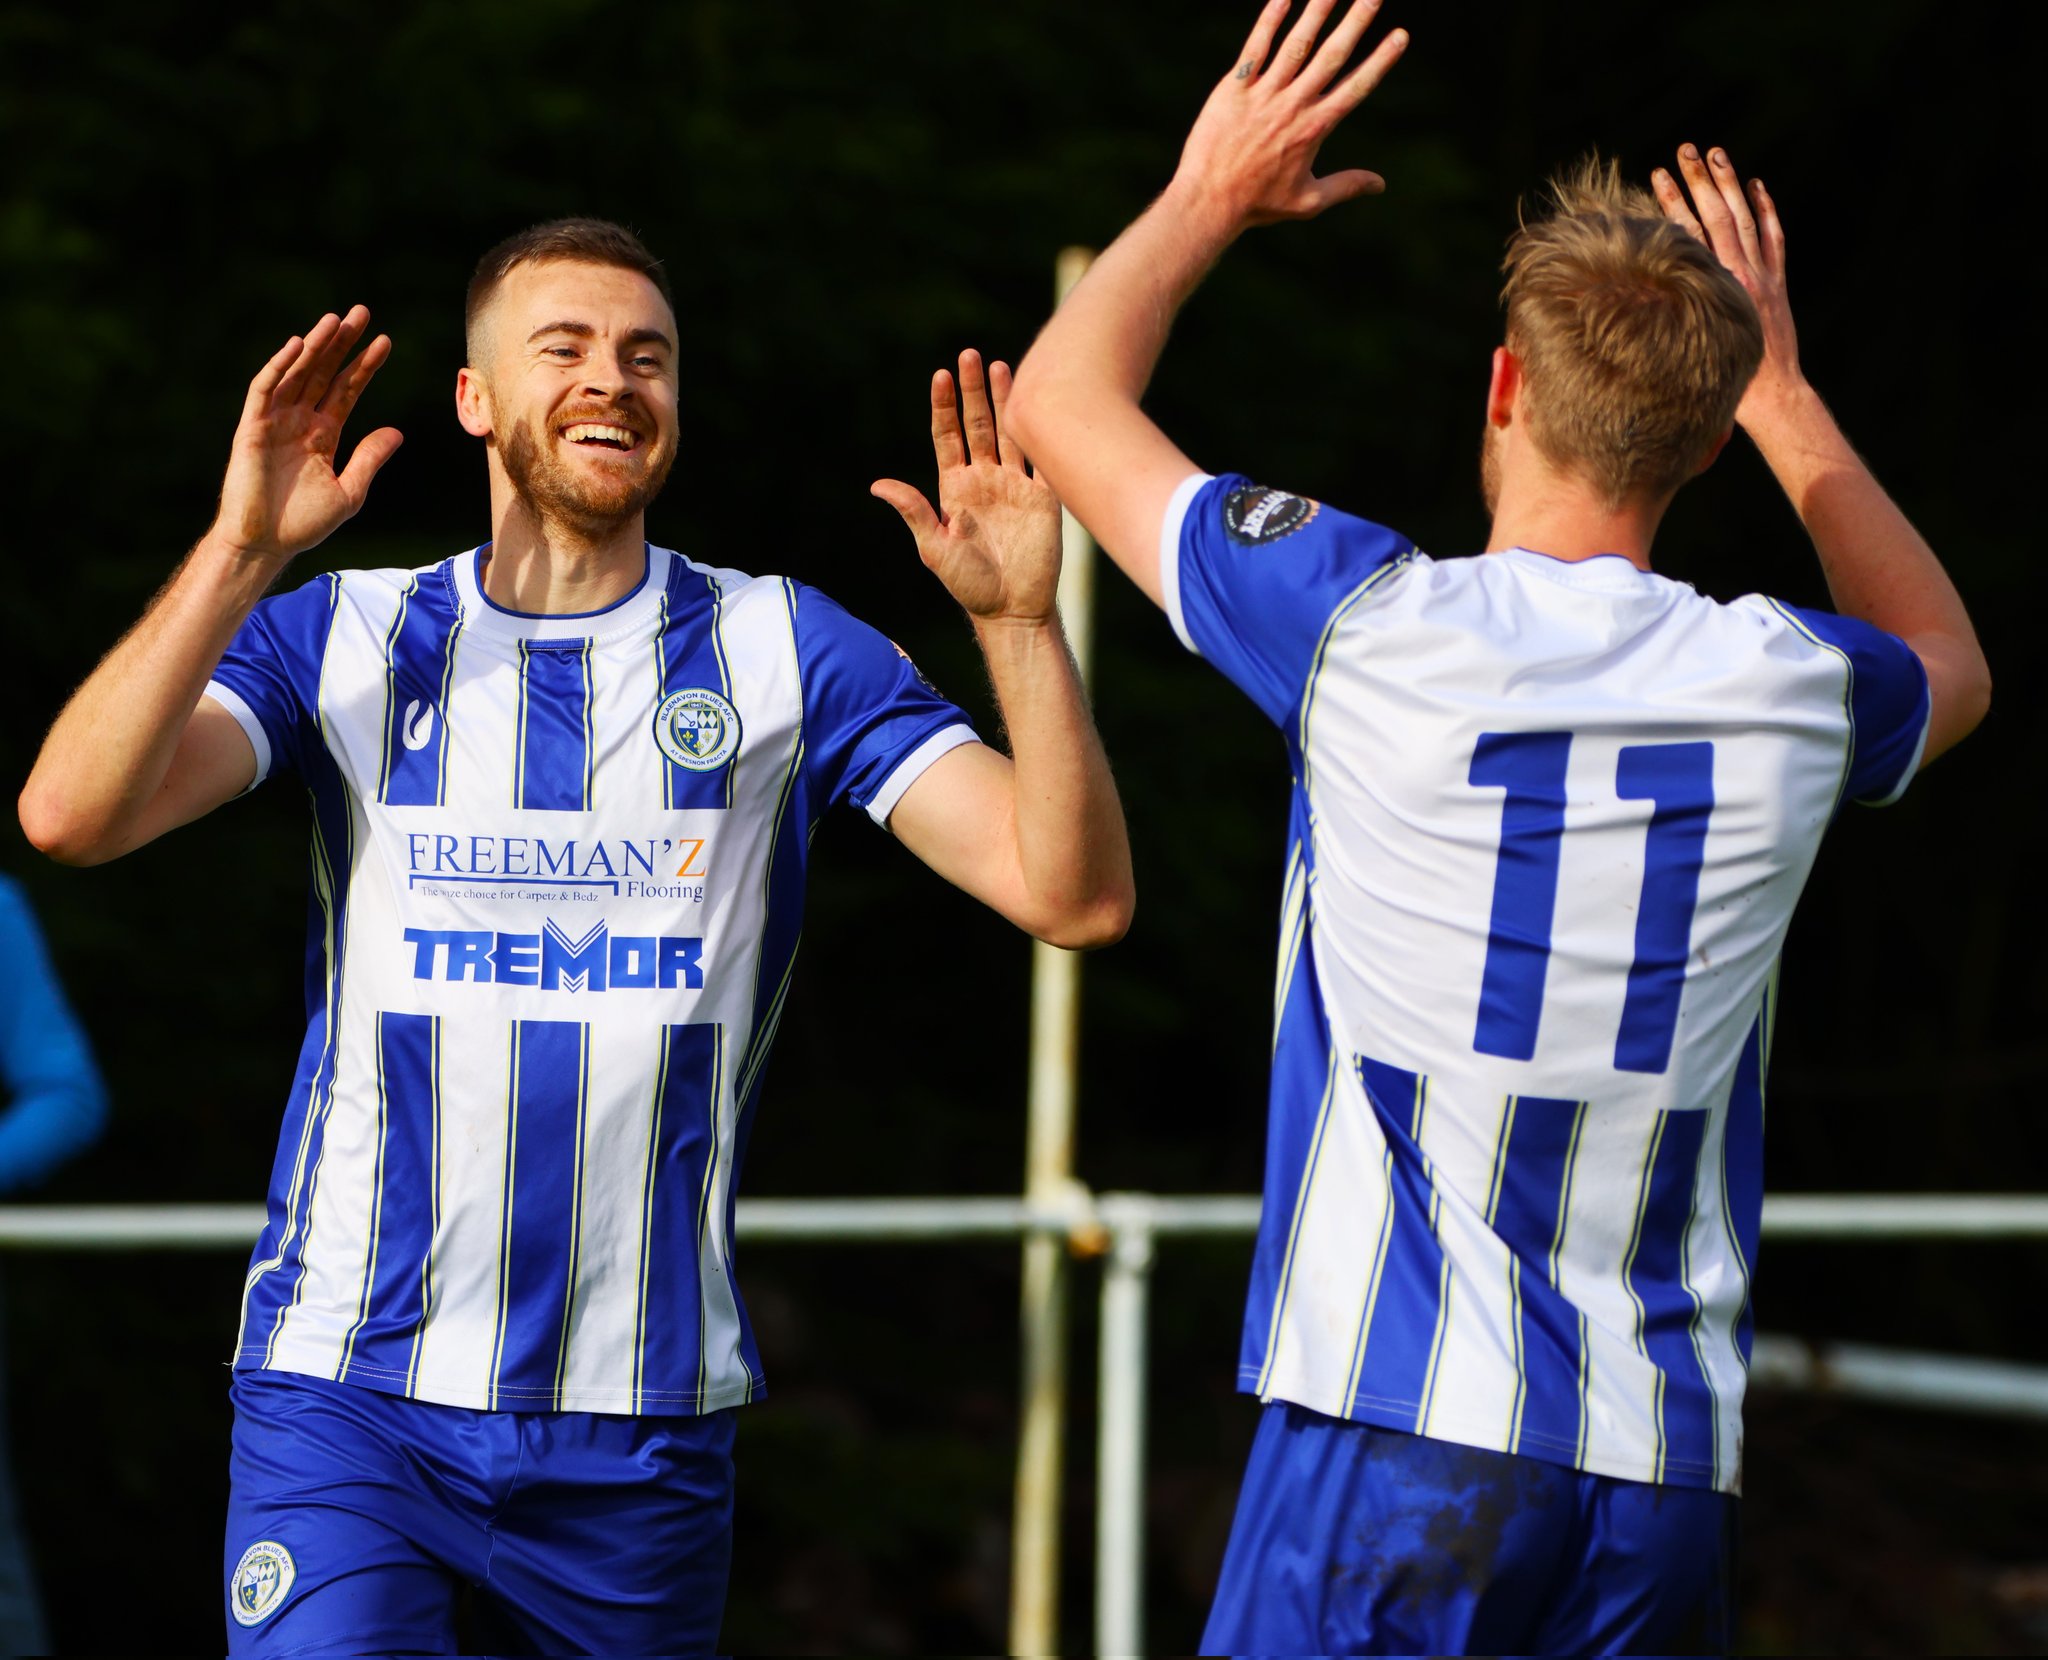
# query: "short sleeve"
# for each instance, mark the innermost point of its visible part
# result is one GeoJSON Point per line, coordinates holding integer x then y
{"type": "Point", "coordinates": [1888, 704]}
{"type": "Point", "coordinates": [269, 677]}
{"type": "Point", "coordinates": [1252, 576]}
{"type": "Point", "coordinates": [872, 722]}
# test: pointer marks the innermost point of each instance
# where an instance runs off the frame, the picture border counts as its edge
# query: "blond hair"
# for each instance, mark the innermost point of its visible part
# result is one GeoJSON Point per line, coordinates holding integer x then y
{"type": "Point", "coordinates": [1635, 341]}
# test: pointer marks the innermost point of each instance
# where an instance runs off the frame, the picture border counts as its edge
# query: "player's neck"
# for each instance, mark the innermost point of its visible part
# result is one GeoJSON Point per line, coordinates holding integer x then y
{"type": "Point", "coordinates": [1559, 517]}
{"type": "Point", "coordinates": [546, 568]}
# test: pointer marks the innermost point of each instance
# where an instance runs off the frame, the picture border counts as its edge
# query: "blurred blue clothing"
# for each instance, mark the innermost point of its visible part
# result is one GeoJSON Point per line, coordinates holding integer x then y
{"type": "Point", "coordinates": [52, 1107]}
{"type": "Point", "coordinates": [1355, 1539]}
{"type": "Point", "coordinates": [55, 1104]}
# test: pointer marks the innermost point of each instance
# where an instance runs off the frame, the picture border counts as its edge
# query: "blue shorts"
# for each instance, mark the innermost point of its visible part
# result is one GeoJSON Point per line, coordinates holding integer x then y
{"type": "Point", "coordinates": [355, 1518]}
{"type": "Point", "coordinates": [1351, 1539]}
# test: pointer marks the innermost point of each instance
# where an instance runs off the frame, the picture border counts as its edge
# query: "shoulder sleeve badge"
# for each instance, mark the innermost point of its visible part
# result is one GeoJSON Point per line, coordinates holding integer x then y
{"type": "Point", "coordinates": [923, 679]}
{"type": "Point", "coordinates": [1253, 514]}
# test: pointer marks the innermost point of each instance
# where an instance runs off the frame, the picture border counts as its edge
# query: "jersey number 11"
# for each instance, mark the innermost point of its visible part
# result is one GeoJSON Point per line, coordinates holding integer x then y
{"type": "Point", "coordinates": [1530, 768]}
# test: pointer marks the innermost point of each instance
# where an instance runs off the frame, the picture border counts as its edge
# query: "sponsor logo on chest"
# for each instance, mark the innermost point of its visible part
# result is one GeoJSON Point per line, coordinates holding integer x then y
{"type": "Point", "coordinates": [555, 960]}
{"type": "Point", "coordinates": [557, 869]}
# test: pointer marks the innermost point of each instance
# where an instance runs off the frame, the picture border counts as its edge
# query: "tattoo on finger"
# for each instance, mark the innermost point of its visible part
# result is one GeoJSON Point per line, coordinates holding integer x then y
{"type": "Point", "coordinates": [1245, 71]}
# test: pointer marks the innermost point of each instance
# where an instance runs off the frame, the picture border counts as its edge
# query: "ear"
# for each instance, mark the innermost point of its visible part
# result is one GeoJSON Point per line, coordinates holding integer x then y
{"type": "Point", "coordinates": [1714, 451]}
{"type": "Point", "coordinates": [1505, 389]}
{"type": "Point", "coordinates": [472, 403]}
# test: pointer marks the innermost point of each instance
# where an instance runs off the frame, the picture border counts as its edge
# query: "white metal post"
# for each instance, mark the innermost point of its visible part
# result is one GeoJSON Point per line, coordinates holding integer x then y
{"type": "Point", "coordinates": [1120, 1443]}
{"type": "Point", "coordinates": [1049, 1179]}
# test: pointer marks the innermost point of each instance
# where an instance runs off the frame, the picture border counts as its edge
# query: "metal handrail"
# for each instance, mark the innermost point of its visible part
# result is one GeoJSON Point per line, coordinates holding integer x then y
{"type": "Point", "coordinates": [1085, 1218]}
{"type": "Point", "coordinates": [1124, 1229]}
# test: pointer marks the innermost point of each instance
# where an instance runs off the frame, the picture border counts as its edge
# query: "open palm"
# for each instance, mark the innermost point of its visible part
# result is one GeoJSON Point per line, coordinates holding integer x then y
{"type": "Point", "coordinates": [994, 539]}
{"type": "Point", "coordinates": [282, 493]}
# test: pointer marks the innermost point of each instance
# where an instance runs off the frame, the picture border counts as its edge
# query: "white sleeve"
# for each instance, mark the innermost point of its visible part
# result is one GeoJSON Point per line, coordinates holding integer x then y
{"type": "Point", "coordinates": [245, 718]}
{"type": "Point", "coordinates": [1169, 553]}
{"type": "Point", "coordinates": [913, 766]}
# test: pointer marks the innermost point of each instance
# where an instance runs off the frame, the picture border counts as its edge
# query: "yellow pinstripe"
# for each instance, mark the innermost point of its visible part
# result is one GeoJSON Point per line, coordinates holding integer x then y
{"type": "Point", "coordinates": [419, 1332]}
{"type": "Point", "coordinates": [1301, 1199]}
{"type": "Point", "coordinates": [575, 1211]}
{"type": "Point", "coordinates": [1628, 1262]}
{"type": "Point", "coordinates": [388, 737]}
{"type": "Point", "coordinates": [505, 1221]}
{"type": "Point", "coordinates": [647, 1214]}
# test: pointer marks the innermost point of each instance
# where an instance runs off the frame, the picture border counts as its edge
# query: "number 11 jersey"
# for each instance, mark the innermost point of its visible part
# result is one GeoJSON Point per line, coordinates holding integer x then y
{"type": "Point", "coordinates": [1550, 820]}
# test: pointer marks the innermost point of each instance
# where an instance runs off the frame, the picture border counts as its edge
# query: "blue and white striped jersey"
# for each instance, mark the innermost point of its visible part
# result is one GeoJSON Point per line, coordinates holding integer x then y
{"type": "Point", "coordinates": [558, 870]}
{"type": "Point", "coordinates": [1549, 824]}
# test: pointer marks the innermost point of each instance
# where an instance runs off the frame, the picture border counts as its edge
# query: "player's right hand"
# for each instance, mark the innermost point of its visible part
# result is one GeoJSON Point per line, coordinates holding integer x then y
{"type": "Point", "coordinates": [1254, 145]}
{"type": "Point", "coordinates": [282, 494]}
{"type": "Point", "coordinates": [1741, 226]}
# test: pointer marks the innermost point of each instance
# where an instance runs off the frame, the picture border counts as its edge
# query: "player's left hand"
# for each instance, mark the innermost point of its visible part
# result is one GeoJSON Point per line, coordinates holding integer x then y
{"type": "Point", "coordinates": [994, 539]}
{"type": "Point", "coordinates": [1742, 226]}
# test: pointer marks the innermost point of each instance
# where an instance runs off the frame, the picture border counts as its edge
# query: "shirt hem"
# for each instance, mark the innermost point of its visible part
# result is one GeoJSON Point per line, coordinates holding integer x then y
{"type": "Point", "coordinates": [1401, 1415]}
{"type": "Point", "coordinates": [651, 1403]}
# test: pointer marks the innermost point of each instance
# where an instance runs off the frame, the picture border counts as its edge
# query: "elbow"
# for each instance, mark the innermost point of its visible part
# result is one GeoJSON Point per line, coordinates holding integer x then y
{"type": "Point", "coordinates": [1965, 701]}
{"type": "Point", "coordinates": [1089, 927]}
{"type": "Point", "coordinates": [1021, 414]}
{"type": "Point", "coordinates": [1977, 700]}
{"type": "Point", "coordinates": [55, 832]}
{"type": "Point", "coordinates": [1041, 400]}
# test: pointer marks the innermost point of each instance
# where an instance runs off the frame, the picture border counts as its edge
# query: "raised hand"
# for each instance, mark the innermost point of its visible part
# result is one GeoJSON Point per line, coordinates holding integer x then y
{"type": "Point", "coordinates": [1254, 144]}
{"type": "Point", "coordinates": [994, 539]}
{"type": "Point", "coordinates": [1743, 230]}
{"type": "Point", "coordinates": [282, 493]}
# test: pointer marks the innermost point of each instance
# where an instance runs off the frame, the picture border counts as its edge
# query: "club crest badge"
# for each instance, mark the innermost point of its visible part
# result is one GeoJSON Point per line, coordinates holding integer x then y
{"type": "Point", "coordinates": [697, 729]}
{"type": "Point", "coordinates": [923, 679]}
{"type": "Point", "coordinates": [1254, 515]}
{"type": "Point", "coordinates": [263, 1578]}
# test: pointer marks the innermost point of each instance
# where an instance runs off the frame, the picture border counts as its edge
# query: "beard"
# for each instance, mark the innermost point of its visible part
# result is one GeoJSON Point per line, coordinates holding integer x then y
{"type": "Point", "coordinates": [1489, 468]}
{"type": "Point", "coordinates": [591, 504]}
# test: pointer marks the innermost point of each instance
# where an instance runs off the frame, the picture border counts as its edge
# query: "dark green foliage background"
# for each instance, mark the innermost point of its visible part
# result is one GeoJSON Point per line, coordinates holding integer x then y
{"type": "Point", "coordinates": [847, 195]}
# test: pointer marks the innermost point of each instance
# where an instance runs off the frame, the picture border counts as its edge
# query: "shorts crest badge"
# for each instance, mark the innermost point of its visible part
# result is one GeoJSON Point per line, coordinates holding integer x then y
{"type": "Point", "coordinates": [697, 729]}
{"type": "Point", "coordinates": [263, 1578]}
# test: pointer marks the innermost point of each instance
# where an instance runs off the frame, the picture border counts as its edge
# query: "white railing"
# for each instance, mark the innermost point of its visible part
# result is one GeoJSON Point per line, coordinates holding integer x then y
{"type": "Point", "coordinates": [1124, 1230]}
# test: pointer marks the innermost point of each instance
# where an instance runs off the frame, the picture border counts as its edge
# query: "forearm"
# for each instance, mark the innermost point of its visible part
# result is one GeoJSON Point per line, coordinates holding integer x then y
{"type": "Point", "coordinates": [109, 752]}
{"type": "Point", "coordinates": [1878, 567]}
{"type": "Point", "coordinates": [1107, 336]}
{"type": "Point", "coordinates": [1073, 852]}
{"type": "Point", "coordinates": [1076, 408]}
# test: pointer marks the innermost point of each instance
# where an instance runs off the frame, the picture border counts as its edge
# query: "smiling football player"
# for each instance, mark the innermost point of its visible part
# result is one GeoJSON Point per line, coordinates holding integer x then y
{"type": "Point", "coordinates": [563, 787]}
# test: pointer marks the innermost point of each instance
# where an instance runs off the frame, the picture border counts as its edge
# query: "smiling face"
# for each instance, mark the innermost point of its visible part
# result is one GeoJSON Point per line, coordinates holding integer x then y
{"type": "Point", "coordinates": [576, 391]}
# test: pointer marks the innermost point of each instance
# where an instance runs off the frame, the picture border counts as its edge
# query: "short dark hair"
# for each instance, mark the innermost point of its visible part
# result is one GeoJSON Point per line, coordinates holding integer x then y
{"type": "Point", "coordinates": [587, 241]}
